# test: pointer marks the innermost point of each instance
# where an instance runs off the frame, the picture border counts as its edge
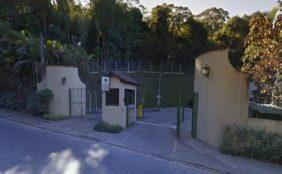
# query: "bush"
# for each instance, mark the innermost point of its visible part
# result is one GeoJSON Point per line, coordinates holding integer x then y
{"type": "Point", "coordinates": [253, 143]}
{"type": "Point", "coordinates": [37, 103]}
{"type": "Point", "coordinates": [265, 111]}
{"type": "Point", "coordinates": [53, 117]}
{"type": "Point", "coordinates": [105, 127]}
{"type": "Point", "coordinates": [9, 101]}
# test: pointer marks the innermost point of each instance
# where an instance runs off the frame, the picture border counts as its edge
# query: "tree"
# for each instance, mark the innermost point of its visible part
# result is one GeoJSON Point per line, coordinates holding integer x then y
{"type": "Point", "coordinates": [159, 23]}
{"type": "Point", "coordinates": [262, 57]}
{"type": "Point", "coordinates": [232, 35]}
{"type": "Point", "coordinates": [117, 26]}
{"type": "Point", "coordinates": [28, 15]}
{"type": "Point", "coordinates": [213, 19]}
{"type": "Point", "coordinates": [178, 17]}
{"type": "Point", "coordinates": [191, 40]}
{"type": "Point", "coordinates": [272, 12]}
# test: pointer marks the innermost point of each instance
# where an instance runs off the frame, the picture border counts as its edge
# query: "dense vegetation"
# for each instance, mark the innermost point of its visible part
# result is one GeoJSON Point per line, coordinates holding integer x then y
{"type": "Point", "coordinates": [105, 127]}
{"type": "Point", "coordinates": [265, 111]}
{"type": "Point", "coordinates": [64, 32]}
{"type": "Point", "coordinates": [252, 143]}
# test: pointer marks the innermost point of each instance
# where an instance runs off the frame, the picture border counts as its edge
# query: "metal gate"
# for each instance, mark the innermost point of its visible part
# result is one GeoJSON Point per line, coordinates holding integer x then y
{"type": "Point", "coordinates": [130, 115]}
{"type": "Point", "coordinates": [79, 102]}
{"type": "Point", "coordinates": [194, 116]}
{"type": "Point", "coordinates": [183, 118]}
{"type": "Point", "coordinates": [130, 103]}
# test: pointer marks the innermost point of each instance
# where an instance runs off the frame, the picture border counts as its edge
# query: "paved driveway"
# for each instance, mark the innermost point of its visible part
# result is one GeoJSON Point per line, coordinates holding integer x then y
{"type": "Point", "coordinates": [153, 146]}
{"type": "Point", "coordinates": [29, 150]}
{"type": "Point", "coordinates": [166, 117]}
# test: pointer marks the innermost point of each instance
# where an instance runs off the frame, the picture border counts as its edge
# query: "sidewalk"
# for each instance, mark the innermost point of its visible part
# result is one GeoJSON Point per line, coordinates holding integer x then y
{"type": "Point", "coordinates": [151, 140]}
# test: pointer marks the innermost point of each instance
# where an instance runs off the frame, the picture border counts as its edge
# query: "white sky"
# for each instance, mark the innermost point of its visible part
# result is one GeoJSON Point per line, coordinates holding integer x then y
{"type": "Point", "coordinates": [234, 7]}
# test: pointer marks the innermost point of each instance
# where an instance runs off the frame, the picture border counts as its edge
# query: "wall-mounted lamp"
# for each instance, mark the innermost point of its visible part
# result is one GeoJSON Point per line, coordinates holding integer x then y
{"type": "Point", "coordinates": [206, 70]}
{"type": "Point", "coordinates": [64, 79]}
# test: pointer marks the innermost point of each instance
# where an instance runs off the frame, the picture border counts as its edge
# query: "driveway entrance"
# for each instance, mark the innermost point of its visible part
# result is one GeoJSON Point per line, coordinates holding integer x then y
{"type": "Point", "coordinates": [167, 117]}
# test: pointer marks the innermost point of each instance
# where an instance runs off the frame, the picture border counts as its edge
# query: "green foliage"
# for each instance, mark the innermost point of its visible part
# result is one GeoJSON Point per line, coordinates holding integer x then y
{"type": "Point", "coordinates": [232, 35]}
{"type": "Point", "coordinates": [171, 85]}
{"type": "Point", "coordinates": [262, 55]}
{"type": "Point", "coordinates": [159, 24]}
{"type": "Point", "coordinates": [265, 111]}
{"type": "Point", "coordinates": [38, 102]}
{"type": "Point", "coordinates": [105, 127]}
{"type": "Point", "coordinates": [213, 19]}
{"type": "Point", "coordinates": [114, 29]}
{"type": "Point", "coordinates": [253, 143]}
{"type": "Point", "coordinates": [9, 101]}
{"type": "Point", "coordinates": [45, 94]}
{"type": "Point", "coordinates": [4, 27]}
{"type": "Point", "coordinates": [272, 12]}
{"type": "Point", "coordinates": [51, 117]}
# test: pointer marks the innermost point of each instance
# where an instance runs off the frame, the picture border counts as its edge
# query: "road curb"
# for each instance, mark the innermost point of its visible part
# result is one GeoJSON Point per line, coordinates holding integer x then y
{"type": "Point", "coordinates": [178, 162]}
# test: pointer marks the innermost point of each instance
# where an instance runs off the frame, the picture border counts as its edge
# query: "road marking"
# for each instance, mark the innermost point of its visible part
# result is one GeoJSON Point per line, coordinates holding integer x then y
{"type": "Point", "coordinates": [157, 124]}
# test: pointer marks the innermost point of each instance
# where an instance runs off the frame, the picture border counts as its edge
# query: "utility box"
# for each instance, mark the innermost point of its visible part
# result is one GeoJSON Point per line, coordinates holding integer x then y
{"type": "Point", "coordinates": [118, 99]}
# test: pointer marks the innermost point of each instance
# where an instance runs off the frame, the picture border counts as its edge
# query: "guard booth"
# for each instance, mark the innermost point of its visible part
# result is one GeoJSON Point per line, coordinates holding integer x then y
{"type": "Point", "coordinates": [118, 99]}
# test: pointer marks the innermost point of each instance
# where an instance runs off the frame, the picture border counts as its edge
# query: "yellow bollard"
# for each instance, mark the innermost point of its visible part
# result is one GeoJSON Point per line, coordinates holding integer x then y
{"type": "Point", "coordinates": [140, 111]}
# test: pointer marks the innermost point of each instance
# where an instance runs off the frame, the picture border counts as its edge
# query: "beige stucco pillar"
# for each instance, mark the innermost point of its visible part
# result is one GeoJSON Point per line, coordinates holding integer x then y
{"type": "Point", "coordinates": [222, 97]}
{"type": "Point", "coordinates": [60, 103]}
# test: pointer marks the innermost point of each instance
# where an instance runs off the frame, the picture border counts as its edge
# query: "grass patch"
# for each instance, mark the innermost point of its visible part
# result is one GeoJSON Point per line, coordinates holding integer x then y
{"type": "Point", "coordinates": [252, 143]}
{"type": "Point", "coordinates": [105, 127]}
{"type": "Point", "coordinates": [53, 117]}
{"type": "Point", "coordinates": [171, 85]}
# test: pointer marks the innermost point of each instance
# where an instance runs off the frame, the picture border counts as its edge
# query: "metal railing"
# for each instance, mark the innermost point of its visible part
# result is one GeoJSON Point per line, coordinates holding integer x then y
{"type": "Point", "coordinates": [130, 66]}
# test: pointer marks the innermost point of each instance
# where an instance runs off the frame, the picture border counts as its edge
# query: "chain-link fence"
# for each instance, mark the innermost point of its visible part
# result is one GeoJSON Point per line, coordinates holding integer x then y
{"type": "Point", "coordinates": [131, 66]}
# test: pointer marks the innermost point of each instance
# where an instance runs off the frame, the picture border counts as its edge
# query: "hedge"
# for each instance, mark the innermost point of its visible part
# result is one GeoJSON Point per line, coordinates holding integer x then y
{"type": "Point", "coordinates": [105, 127]}
{"type": "Point", "coordinates": [252, 143]}
{"type": "Point", "coordinates": [265, 111]}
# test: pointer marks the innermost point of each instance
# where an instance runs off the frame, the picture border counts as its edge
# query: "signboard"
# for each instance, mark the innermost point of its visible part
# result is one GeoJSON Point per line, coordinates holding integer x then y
{"type": "Point", "coordinates": [105, 83]}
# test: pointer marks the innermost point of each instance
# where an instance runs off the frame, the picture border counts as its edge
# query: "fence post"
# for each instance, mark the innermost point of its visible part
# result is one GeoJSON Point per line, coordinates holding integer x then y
{"type": "Point", "coordinates": [183, 112]}
{"type": "Point", "coordinates": [93, 65]}
{"type": "Point", "coordinates": [171, 67]}
{"type": "Point", "coordinates": [180, 67]}
{"type": "Point", "coordinates": [81, 109]}
{"type": "Point", "coordinates": [105, 65]}
{"type": "Point", "coordinates": [128, 66]}
{"type": "Point", "coordinates": [90, 102]}
{"type": "Point", "coordinates": [70, 103]}
{"type": "Point", "coordinates": [194, 116]}
{"type": "Point", "coordinates": [150, 66]}
{"type": "Point", "coordinates": [116, 65]}
{"type": "Point", "coordinates": [97, 64]}
{"type": "Point", "coordinates": [161, 65]}
{"type": "Point", "coordinates": [139, 65]}
{"type": "Point", "coordinates": [178, 116]}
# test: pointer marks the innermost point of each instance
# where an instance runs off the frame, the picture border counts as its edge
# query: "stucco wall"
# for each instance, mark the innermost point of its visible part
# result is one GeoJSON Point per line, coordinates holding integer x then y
{"type": "Point", "coordinates": [274, 126]}
{"type": "Point", "coordinates": [222, 97]}
{"type": "Point", "coordinates": [116, 114]}
{"type": "Point", "coordinates": [59, 105]}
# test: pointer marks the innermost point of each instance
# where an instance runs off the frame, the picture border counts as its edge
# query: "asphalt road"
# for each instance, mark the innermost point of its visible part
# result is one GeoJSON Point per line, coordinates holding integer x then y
{"type": "Point", "coordinates": [29, 150]}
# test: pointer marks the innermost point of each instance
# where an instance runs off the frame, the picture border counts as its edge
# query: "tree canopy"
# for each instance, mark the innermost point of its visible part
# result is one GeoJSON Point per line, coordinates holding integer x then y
{"type": "Point", "coordinates": [262, 57]}
{"type": "Point", "coordinates": [65, 32]}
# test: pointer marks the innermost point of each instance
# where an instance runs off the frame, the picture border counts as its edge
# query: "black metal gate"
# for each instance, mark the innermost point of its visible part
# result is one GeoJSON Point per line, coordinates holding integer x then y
{"type": "Point", "coordinates": [194, 116]}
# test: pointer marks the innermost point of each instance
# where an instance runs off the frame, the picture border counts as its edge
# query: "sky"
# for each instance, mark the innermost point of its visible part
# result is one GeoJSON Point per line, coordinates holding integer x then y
{"type": "Point", "coordinates": [234, 7]}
